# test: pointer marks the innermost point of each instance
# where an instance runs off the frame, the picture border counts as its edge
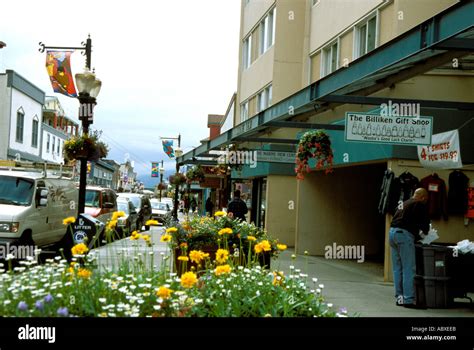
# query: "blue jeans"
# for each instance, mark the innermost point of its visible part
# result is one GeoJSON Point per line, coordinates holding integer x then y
{"type": "Point", "coordinates": [402, 244]}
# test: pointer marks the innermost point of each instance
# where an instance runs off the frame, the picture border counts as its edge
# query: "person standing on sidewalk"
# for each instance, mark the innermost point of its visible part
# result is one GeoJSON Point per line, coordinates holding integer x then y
{"type": "Point", "coordinates": [411, 217]}
{"type": "Point", "coordinates": [237, 207]}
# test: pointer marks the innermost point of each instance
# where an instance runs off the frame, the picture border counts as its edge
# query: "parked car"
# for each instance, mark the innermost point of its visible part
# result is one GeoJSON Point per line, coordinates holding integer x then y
{"type": "Point", "coordinates": [143, 207]}
{"type": "Point", "coordinates": [100, 203]}
{"type": "Point", "coordinates": [33, 205]}
{"type": "Point", "coordinates": [128, 223]}
{"type": "Point", "coordinates": [168, 201]}
{"type": "Point", "coordinates": [160, 210]}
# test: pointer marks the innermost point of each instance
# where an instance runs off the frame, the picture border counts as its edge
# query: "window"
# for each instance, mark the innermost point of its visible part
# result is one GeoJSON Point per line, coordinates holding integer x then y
{"type": "Point", "coordinates": [34, 133]}
{"type": "Point", "coordinates": [264, 99]}
{"type": "Point", "coordinates": [267, 32]}
{"type": "Point", "coordinates": [59, 145]}
{"type": "Point", "coordinates": [247, 52]}
{"type": "Point", "coordinates": [330, 59]}
{"type": "Point", "coordinates": [48, 142]}
{"type": "Point", "coordinates": [365, 37]}
{"type": "Point", "coordinates": [20, 121]}
{"type": "Point", "coordinates": [54, 143]}
{"type": "Point", "coordinates": [244, 111]}
{"type": "Point", "coordinates": [316, 2]}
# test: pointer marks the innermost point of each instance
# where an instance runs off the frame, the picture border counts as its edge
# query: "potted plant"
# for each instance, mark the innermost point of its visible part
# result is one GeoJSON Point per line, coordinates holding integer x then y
{"type": "Point", "coordinates": [86, 146]}
{"type": "Point", "coordinates": [313, 144]}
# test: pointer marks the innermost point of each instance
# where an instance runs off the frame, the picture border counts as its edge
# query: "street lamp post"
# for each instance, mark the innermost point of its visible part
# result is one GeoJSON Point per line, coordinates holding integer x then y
{"type": "Point", "coordinates": [177, 153]}
{"type": "Point", "coordinates": [162, 171]}
{"type": "Point", "coordinates": [89, 88]}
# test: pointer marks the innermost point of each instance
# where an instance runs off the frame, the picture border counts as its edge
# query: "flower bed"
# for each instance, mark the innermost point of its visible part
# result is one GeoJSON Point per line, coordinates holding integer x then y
{"type": "Point", "coordinates": [220, 286]}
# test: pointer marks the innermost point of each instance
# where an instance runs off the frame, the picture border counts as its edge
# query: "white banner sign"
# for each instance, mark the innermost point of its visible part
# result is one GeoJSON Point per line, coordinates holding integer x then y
{"type": "Point", "coordinates": [366, 127]}
{"type": "Point", "coordinates": [443, 153]}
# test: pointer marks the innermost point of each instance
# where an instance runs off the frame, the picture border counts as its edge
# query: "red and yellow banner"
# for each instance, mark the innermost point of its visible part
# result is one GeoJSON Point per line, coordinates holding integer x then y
{"type": "Point", "coordinates": [58, 65]}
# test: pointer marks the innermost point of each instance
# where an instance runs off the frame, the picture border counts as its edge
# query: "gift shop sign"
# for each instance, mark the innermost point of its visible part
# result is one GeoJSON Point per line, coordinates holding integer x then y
{"type": "Point", "coordinates": [364, 127]}
{"type": "Point", "coordinates": [443, 153]}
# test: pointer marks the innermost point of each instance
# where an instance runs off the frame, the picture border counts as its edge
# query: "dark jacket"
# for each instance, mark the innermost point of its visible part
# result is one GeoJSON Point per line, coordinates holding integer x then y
{"type": "Point", "coordinates": [457, 195]}
{"type": "Point", "coordinates": [389, 193]}
{"type": "Point", "coordinates": [408, 184]}
{"type": "Point", "coordinates": [437, 200]}
{"type": "Point", "coordinates": [413, 217]}
{"type": "Point", "coordinates": [238, 207]}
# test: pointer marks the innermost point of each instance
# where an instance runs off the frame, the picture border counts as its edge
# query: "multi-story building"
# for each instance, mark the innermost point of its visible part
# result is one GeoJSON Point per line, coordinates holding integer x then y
{"type": "Point", "coordinates": [56, 129]}
{"type": "Point", "coordinates": [21, 104]}
{"type": "Point", "coordinates": [303, 65]}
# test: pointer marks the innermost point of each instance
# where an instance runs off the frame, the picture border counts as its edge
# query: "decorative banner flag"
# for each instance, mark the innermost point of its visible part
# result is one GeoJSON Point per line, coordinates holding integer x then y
{"type": "Point", "coordinates": [154, 169]}
{"type": "Point", "coordinates": [58, 65]}
{"type": "Point", "coordinates": [168, 148]}
{"type": "Point", "coordinates": [443, 153]}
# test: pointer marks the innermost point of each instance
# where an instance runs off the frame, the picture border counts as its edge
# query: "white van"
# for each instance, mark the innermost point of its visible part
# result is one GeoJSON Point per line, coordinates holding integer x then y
{"type": "Point", "coordinates": [33, 204]}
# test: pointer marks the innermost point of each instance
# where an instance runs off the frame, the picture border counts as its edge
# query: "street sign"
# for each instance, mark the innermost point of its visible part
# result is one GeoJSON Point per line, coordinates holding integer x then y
{"type": "Point", "coordinates": [407, 130]}
{"type": "Point", "coordinates": [276, 157]}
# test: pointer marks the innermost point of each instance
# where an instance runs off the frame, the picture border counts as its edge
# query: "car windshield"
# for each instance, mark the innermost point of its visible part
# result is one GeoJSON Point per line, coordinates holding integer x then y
{"type": "Point", "coordinates": [92, 198]}
{"type": "Point", "coordinates": [123, 206]}
{"type": "Point", "coordinates": [158, 205]}
{"type": "Point", "coordinates": [136, 201]}
{"type": "Point", "coordinates": [16, 190]}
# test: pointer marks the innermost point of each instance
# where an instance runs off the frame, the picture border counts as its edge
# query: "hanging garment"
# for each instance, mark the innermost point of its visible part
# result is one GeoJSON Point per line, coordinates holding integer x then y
{"type": "Point", "coordinates": [437, 200]}
{"type": "Point", "coordinates": [389, 193]}
{"type": "Point", "coordinates": [470, 203]}
{"type": "Point", "coordinates": [408, 184]}
{"type": "Point", "coordinates": [457, 194]}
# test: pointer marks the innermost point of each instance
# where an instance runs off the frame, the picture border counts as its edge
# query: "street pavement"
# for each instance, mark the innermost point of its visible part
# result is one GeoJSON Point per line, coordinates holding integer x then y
{"type": "Point", "coordinates": [357, 287]}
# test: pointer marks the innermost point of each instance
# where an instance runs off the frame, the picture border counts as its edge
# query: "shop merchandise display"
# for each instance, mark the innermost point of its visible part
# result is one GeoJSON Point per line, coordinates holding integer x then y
{"type": "Point", "coordinates": [437, 196]}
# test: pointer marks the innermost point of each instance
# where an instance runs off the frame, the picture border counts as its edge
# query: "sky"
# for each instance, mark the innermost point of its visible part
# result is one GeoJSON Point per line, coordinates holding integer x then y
{"type": "Point", "coordinates": [164, 66]}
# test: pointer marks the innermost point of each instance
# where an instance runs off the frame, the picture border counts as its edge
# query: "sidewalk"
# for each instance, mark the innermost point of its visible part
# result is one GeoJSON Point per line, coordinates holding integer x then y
{"type": "Point", "coordinates": [360, 288]}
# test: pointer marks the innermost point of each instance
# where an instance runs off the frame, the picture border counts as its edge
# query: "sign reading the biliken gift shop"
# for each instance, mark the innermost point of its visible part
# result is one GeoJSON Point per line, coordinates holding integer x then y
{"type": "Point", "coordinates": [408, 130]}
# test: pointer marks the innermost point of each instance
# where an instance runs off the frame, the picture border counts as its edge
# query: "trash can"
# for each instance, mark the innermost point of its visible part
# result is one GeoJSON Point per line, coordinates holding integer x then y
{"type": "Point", "coordinates": [433, 279]}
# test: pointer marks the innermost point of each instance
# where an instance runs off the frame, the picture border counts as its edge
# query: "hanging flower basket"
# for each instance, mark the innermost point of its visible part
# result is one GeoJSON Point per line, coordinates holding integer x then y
{"type": "Point", "coordinates": [313, 144]}
{"type": "Point", "coordinates": [162, 186]}
{"type": "Point", "coordinates": [86, 147]}
{"type": "Point", "coordinates": [195, 174]}
{"type": "Point", "coordinates": [177, 179]}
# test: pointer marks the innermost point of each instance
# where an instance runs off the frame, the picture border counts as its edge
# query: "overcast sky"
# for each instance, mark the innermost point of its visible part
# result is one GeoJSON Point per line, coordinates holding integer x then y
{"type": "Point", "coordinates": [164, 65]}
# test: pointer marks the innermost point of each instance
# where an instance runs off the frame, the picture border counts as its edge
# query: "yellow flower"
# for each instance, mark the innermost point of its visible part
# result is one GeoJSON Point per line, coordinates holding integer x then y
{"type": "Point", "coordinates": [112, 224]}
{"type": "Point", "coordinates": [183, 258]}
{"type": "Point", "coordinates": [224, 231]}
{"type": "Point", "coordinates": [251, 238]}
{"type": "Point", "coordinates": [188, 279]}
{"type": "Point", "coordinates": [117, 214]}
{"type": "Point", "coordinates": [69, 220]}
{"type": "Point", "coordinates": [183, 245]}
{"type": "Point", "coordinates": [165, 238]}
{"type": "Point", "coordinates": [220, 213]}
{"type": "Point", "coordinates": [79, 249]}
{"type": "Point", "coordinates": [151, 223]}
{"type": "Point", "coordinates": [135, 236]}
{"type": "Point", "coordinates": [281, 246]}
{"type": "Point", "coordinates": [263, 246]}
{"type": "Point", "coordinates": [146, 238]}
{"type": "Point", "coordinates": [164, 292]}
{"type": "Point", "coordinates": [84, 273]}
{"type": "Point", "coordinates": [222, 269]}
{"type": "Point", "coordinates": [171, 230]}
{"type": "Point", "coordinates": [222, 255]}
{"type": "Point", "coordinates": [197, 255]}
{"type": "Point", "coordinates": [278, 277]}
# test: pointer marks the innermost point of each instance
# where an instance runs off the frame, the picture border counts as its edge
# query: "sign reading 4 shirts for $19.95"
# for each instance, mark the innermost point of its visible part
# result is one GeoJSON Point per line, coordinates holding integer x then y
{"type": "Point", "coordinates": [364, 127]}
